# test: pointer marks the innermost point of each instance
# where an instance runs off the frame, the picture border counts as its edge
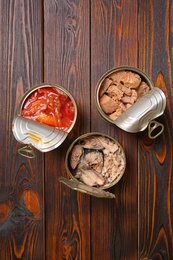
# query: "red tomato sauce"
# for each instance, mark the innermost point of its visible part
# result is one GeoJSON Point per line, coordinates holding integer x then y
{"type": "Point", "coordinates": [48, 106]}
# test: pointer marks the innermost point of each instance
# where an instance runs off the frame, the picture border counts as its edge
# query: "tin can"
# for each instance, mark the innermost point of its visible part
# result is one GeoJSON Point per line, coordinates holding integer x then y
{"type": "Point", "coordinates": [39, 135]}
{"type": "Point", "coordinates": [100, 159]}
{"type": "Point", "coordinates": [141, 113]}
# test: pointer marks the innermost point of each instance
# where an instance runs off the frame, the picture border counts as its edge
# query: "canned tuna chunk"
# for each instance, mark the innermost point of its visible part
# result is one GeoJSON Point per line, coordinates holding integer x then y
{"type": "Point", "coordinates": [126, 97]}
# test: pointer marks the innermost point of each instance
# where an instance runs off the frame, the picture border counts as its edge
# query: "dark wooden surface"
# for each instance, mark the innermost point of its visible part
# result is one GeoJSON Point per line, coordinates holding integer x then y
{"type": "Point", "coordinates": [72, 43]}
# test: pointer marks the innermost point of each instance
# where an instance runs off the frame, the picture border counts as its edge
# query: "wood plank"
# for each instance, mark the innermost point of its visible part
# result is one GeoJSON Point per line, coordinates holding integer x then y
{"type": "Point", "coordinates": [155, 157]}
{"type": "Point", "coordinates": [66, 62]}
{"type": "Point", "coordinates": [73, 43]}
{"type": "Point", "coordinates": [21, 190]}
{"type": "Point", "coordinates": [114, 227]}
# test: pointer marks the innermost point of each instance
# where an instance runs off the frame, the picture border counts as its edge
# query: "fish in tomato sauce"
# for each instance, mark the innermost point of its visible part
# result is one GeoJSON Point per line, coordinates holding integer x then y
{"type": "Point", "coordinates": [49, 106]}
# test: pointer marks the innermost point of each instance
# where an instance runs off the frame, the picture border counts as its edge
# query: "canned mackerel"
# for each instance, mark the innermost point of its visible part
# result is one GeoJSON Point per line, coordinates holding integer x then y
{"type": "Point", "coordinates": [126, 97]}
{"type": "Point", "coordinates": [94, 162]}
{"type": "Point", "coordinates": [46, 115]}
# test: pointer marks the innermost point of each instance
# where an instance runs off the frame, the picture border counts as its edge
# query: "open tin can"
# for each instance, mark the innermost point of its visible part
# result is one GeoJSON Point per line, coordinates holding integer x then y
{"type": "Point", "coordinates": [126, 97]}
{"type": "Point", "coordinates": [42, 136]}
{"type": "Point", "coordinates": [94, 162]}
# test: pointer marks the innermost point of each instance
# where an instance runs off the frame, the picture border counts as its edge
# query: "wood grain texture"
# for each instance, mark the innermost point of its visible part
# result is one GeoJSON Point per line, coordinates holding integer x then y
{"type": "Point", "coordinates": [21, 190]}
{"type": "Point", "coordinates": [156, 157]}
{"type": "Point", "coordinates": [114, 43]}
{"type": "Point", "coordinates": [72, 43]}
{"type": "Point", "coordinates": [67, 52]}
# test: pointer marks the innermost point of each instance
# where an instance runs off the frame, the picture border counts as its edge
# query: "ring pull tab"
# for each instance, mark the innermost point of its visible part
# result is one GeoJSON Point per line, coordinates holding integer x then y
{"type": "Point", "coordinates": [155, 129]}
{"type": "Point", "coordinates": [27, 151]}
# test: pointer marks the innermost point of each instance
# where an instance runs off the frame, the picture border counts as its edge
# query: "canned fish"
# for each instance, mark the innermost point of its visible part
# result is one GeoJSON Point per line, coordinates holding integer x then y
{"type": "Point", "coordinates": [46, 114]}
{"type": "Point", "coordinates": [126, 97]}
{"type": "Point", "coordinates": [139, 116]}
{"type": "Point", "coordinates": [94, 162]}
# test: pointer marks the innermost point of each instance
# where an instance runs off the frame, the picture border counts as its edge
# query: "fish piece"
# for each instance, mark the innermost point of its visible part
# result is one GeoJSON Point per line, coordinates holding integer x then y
{"type": "Point", "coordinates": [130, 99]}
{"type": "Point", "coordinates": [99, 168]}
{"type": "Point", "coordinates": [91, 142]}
{"type": "Point", "coordinates": [105, 84]}
{"type": "Point", "coordinates": [134, 95]}
{"type": "Point", "coordinates": [116, 114]}
{"type": "Point", "coordinates": [90, 178]}
{"type": "Point", "coordinates": [78, 174]}
{"type": "Point", "coordinates": [127, 100]}
{"type": "Point", "coordinates": [94, 159]}
{"type": "Point", "coordinates": [127, 91]}
{"type": "Point", "coordinates": [117, 76]}
{"type": "Point", "coordinates": [122, 106]}
{"type": "Point", "coordinates": [76, 155]}
{"type": "Point", "coordinates": [131, 79]}
{"type": "Point", "coordinates": [109, 164]}
{"type": "Point", "coordinates": [108, 104]}
{"type": "Point", "coordinates": [108, 144]}
{"type": "Point", "coordinates": [114, 92]}
{"type": "Point", "coordinates": [142, 89]}
{"type": "Point", "coordinates": [128, 105]}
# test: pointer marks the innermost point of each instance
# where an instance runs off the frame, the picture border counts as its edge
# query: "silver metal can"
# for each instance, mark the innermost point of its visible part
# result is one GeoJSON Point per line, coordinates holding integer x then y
{"type": "Point", "coordinates": [140, 114]}
{"type": "Point", "coordinates": [39, 135]}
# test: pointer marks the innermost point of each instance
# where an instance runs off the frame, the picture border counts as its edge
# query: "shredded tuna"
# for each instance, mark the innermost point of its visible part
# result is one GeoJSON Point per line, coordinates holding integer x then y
{"type": "Point", "coordinates": [94, 159]}
{"type": "Point", "coordinates": [101, 162]}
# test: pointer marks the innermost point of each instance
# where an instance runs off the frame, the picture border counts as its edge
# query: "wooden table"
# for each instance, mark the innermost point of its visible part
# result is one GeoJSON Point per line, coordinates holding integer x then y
{"type": "Point", "coordinates": [72, 43]}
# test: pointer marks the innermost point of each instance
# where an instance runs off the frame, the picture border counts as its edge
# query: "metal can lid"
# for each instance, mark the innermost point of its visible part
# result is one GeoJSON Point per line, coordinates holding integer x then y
{"type": "Point", "coordinates": [96, 192]}
{"type": "Point", "coordinates": [141, 112]}
{"type": "Point", "coordinates": [138, 116]}
{"type": "Point", "coordinates": [43, 137]}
